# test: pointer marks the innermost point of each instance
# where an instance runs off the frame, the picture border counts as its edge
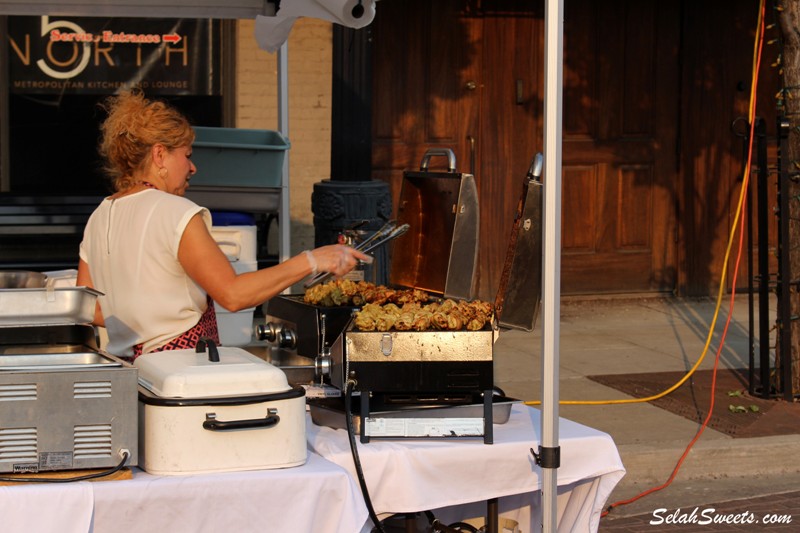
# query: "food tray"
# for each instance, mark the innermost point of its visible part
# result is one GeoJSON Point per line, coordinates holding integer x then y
{"type": "Point", "coordinates": [330, 412]}
{"type": "Point", "coordinates": [47, 306]}
{"type": "Point", "coordinates": [61, 361]}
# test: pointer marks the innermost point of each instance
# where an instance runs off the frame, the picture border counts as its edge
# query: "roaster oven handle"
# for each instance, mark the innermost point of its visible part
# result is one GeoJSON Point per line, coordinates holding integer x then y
{"type": "Point", "coordinates": [212, 424]}
{"type": "Point", "coordinates": [213, 353]}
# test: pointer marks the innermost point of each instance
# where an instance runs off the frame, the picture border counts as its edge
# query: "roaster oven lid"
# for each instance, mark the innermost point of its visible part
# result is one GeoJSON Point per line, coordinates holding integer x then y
{"type": "Point", "coordinates": [188, 374]}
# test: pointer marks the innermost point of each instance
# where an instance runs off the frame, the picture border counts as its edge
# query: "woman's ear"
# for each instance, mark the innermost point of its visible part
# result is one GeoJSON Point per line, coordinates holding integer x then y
{"type": "Point", "coordinates": [157, 154]}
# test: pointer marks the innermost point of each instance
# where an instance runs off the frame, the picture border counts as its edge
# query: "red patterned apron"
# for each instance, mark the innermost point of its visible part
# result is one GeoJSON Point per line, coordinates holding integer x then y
{"type": "Point", "coordinates": [206, 327]}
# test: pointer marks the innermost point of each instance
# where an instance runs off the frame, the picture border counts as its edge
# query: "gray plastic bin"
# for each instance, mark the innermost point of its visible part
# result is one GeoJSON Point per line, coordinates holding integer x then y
{"type": "Point", "coordinates": [234, 157]}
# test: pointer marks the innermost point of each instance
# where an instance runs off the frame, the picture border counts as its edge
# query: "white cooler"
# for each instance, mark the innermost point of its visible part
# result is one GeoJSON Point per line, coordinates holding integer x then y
{"type": "Point", "coordinates": [238, 243]}
{"type": "Point", "coordinates": [197, 415]}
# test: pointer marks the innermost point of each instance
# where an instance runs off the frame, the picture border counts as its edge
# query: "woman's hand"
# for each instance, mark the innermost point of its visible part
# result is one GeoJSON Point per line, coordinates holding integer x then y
{"type": "Point", "coordinates": [337, 259]}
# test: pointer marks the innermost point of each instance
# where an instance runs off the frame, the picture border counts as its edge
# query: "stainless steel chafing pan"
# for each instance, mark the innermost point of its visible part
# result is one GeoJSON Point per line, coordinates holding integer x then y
{"type": "Point", "coordinates": [57, 361]}
{"type": "Point", "coordinates": [47, 306]}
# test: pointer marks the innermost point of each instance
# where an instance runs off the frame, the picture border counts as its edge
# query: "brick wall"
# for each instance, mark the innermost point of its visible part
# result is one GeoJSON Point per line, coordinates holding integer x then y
{"type": "Point", "coordinates": [309, 73]}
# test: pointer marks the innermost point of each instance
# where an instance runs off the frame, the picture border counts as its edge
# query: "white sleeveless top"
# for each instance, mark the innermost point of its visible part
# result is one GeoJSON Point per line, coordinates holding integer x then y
{"type": "Point", "coordinates": [131, 247]}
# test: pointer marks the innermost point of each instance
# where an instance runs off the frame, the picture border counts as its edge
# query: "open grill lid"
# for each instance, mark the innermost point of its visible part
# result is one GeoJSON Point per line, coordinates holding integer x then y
{"type": "Point", "coordinates": [520, 291]}
{"type": "Point", "coordinates": [439, 253]}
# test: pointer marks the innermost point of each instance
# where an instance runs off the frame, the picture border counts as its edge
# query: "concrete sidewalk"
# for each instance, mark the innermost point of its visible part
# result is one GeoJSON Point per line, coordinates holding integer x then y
{"type": "Point", "coordinates": [649, 334]}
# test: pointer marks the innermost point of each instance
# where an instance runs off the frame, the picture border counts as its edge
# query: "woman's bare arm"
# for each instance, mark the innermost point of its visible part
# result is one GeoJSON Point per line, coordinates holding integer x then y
{"type": "Point", "coordinates": [205, 263]}
{"type": "Point", "coordinates": [85, 280]}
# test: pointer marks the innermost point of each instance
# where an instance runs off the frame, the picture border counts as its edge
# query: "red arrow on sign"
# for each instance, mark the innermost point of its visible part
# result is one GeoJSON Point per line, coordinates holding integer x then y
{"type": "Point", "coordinates": [171, 38]}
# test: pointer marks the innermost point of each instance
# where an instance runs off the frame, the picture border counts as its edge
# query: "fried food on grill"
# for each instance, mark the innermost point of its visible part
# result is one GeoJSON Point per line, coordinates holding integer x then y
{"type": "Point", "coordinates": [367, 319]}
{"type": "Point", "coordinates": [411, 296]}
{"type": "Point", "coordinates": [448, 315]}
{"type": "Point", "coordinates": [346, 292]}
{"type": "Point", "coordinates": [318, 295]}
{"type": "Point", "coordinates": [386, 309]}
{"type": "Point", "coordinates": [385, 321]}
{"type": "Point", "coordinates": [455, 320]}
{"type": "Point", "coordinates": [404, 322]}
{"type": "Point", "coordinates": [422, 320]}
{"type": "Point", "coordinates": [364, 322]}
{"type": "Point", "coordinates": [439, 320]}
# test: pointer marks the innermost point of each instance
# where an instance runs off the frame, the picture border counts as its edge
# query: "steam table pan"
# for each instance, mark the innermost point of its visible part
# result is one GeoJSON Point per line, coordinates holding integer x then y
{"type": "Point", "coordinates": [47, 306]}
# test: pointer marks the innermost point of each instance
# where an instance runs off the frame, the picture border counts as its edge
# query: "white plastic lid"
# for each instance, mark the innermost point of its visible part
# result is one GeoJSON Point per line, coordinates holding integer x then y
{"type": "Point", "coordinates": [187, 374]}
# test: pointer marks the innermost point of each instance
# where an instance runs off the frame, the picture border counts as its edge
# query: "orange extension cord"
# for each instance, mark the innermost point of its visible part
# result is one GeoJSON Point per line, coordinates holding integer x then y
{"type": "Point", "coordinates": [738, 220]}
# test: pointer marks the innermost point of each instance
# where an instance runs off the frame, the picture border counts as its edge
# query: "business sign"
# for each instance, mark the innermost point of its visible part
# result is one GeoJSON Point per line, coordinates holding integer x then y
{"type": "Point", "coordinates": [85, 55]}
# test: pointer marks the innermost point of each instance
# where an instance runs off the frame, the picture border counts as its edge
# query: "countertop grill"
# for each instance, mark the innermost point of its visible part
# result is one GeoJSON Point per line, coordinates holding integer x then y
{"type": "Point", "coordinates": [404, 370]}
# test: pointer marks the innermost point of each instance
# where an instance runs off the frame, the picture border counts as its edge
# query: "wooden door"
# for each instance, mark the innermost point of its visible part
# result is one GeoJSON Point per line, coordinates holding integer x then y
{"type": "Point", "coordinates": [468, 75]}
{"type": "Point", "coordinates": [621, 88]}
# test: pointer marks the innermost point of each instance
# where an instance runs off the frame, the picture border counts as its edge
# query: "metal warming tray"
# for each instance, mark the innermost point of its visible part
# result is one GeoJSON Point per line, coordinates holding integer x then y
{"type": "Point", "coordinates": [66, 405]}
{"type": "Point", "coordinates": [198, 414]}
{"type": "Point", "coordinates": [59, 361]}
{"type": "Point", "coordinates": [47, 306]}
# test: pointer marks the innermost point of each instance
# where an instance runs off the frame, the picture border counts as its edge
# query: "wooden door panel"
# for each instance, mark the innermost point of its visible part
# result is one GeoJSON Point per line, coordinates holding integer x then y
{"type": "Point", "coordinates": [592, 192]}
{"type": "Point", "coordinates": [578, 209]}
{"type": "Point", "coordinates": [634, 214]}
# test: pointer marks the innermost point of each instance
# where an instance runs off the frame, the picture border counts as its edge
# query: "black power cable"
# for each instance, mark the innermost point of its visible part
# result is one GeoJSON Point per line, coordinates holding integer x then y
{"type": "Point", "coordinates": [96, 475]}
{"type": "Point", "coordinates": [458, 527]}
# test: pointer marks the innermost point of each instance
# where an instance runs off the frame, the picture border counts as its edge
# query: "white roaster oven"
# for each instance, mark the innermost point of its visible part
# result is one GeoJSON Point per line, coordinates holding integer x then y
{"type": "Point", "coordinates": [216, 409]}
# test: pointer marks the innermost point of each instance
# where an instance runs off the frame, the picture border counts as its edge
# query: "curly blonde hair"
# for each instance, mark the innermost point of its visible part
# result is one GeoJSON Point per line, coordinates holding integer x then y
{"type": "Point", "coordinates": [134, 124]}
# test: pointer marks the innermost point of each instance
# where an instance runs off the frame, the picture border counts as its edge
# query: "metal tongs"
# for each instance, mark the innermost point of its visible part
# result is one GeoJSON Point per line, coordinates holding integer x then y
{"type": "Point", "coordinates": [386, 233]}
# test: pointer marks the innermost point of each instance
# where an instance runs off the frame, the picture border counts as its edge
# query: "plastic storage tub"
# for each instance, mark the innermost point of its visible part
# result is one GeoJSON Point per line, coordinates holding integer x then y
{"type": "Point", "coordinates": [235, 157]}
{"type": "Point", "coordinates": [235, 233]}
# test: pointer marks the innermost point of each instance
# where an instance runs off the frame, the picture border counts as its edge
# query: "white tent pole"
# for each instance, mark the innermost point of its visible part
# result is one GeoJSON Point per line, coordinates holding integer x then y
{"type": "Point", "coordinates": [284, 218]}
{"type": "Point", "coordinates": [551, 259]}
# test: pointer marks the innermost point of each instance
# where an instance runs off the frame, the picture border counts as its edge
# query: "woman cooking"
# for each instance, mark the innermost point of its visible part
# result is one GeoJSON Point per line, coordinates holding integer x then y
{"type": "Point", "coordinates": [149, 250]}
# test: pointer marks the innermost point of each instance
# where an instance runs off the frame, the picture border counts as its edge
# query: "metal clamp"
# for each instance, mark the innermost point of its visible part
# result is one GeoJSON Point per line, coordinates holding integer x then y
{"type": "Point", "coordinates": [547, 457]}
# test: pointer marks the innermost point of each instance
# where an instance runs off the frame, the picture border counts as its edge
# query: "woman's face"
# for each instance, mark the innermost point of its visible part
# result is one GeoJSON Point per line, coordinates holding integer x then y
{"type": "Point", "coordinates": [179, 169]}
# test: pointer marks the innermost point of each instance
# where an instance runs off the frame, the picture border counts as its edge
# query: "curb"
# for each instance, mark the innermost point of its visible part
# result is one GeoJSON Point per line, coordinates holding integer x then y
{"type": "Point", "coordinates": [711, 459]}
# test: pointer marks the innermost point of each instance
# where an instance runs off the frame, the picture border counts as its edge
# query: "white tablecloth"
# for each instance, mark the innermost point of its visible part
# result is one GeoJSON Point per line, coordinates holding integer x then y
{"type": "Point", "coordinates": [40, 508]}
{"type": "Point", "coordinates": [411, 475]}
{"type": "Point", "coordinates": [318, 496]}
